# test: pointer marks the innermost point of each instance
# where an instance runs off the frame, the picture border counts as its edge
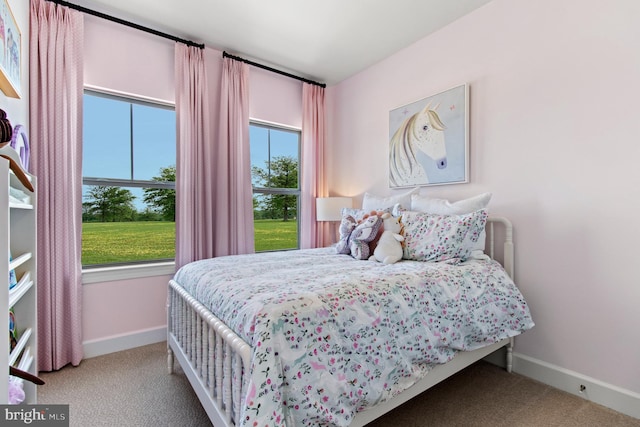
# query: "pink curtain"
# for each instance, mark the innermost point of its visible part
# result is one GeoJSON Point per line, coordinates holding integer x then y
{"type": "Point", "coordinates": [313, 182]}
{"type": "Point", "coordinates": [56, 84]}
{"type": "Point", "coordinates": [195, 178]}
{"type": "Point", "coordinates": [233, 193]}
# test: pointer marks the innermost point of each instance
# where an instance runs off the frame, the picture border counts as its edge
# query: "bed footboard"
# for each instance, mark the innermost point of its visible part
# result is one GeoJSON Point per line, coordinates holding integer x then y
{"type": "Point", "coordinates": [214, 358]}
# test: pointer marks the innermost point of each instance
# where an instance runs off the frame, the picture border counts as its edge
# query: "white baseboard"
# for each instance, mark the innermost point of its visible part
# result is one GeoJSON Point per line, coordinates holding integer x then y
{"type": "Point", "coordinates": [611, 396]}
{"type": "Point", "coordinates": [116, 343]}
{"type": "Point", "coordinates": [616, 398]}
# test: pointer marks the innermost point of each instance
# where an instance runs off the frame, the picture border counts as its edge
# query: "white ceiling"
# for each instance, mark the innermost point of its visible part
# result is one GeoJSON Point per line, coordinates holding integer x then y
{"type": "Point", "coordinates": [326, 41]}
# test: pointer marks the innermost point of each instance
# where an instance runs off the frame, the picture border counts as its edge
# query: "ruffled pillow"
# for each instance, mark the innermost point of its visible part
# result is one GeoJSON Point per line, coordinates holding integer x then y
{"type": "Point", "coordinates": [445, 207]}
{"type": "Point", "coordinates": [432, 205]}
{"type": "Point", "coordinates": [355, 213]}
{"type": "Point", "coordinates": [430, 237]}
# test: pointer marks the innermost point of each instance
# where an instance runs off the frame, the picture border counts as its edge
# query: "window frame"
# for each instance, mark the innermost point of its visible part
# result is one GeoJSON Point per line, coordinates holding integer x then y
{"type": "Point", "coordinates": [282, 191]}
{"type": "Point", "coordinates": [97, 273]}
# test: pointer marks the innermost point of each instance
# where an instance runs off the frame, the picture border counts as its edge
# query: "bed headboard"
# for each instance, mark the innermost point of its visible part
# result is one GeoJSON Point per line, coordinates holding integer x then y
{"type": "Point", "coordinates": [500, 229]}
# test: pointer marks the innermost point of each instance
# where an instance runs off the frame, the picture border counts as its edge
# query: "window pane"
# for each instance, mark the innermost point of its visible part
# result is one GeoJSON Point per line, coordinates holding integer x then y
{"type": "Point", "coordinates": [259, 148]}
{"type": "Point", "coordinates": [284, 144]}
{"type": "Point", "coordinates": [275, 222]}
{"type": "Point", "coordinates": [125, 140]}
{"type": "Point", "coordinates": [154, 140]}
{"type": "Point", "coordinates": [106, 149]}
{"type": "Point", "coordinates": [119, 227]}
{"type": "Point", "coordinates": [275, 156]}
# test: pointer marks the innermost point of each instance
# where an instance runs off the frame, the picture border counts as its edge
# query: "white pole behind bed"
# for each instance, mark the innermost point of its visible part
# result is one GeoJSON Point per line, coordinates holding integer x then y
{"type": "Point", "coordinates": [508, 258]}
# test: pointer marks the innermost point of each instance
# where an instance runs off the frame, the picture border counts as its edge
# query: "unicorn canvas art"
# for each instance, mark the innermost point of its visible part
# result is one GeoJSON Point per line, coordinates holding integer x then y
{"type": "Point", "coordinates": [428, 141]}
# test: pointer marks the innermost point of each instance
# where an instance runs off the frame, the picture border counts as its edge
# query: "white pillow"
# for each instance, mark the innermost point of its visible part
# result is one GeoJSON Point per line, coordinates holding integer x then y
{"type": "Point", "coordinates": [444, 207]}
{"type": "Point", "coordinates": [371, 202]}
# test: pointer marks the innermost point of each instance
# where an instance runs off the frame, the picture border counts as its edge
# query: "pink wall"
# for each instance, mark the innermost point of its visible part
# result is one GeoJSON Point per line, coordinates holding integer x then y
{"type": "Point", "coordinates": [130, 61]}
{"type": "Point", "coordinates": [554, 135]}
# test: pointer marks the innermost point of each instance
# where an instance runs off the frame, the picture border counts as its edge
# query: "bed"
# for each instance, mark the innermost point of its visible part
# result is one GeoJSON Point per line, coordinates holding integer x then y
{"type": "Point", "coordinates": [345, 340]}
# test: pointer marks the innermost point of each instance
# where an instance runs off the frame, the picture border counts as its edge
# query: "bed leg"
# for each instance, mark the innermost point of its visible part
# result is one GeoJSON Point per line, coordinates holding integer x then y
{"type": "Point", "coordinates": [509, 355]}
{"type": "Point", "coordinates": [169, 360]}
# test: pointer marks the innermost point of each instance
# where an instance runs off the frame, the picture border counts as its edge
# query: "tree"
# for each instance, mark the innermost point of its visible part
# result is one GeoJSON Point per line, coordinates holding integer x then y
{"type": "Point", "coordinates": [110, 203]}
{"type": "Point", "coordinates": [280, 172]}
{"type": "Point", "coordinates": [163, 200]}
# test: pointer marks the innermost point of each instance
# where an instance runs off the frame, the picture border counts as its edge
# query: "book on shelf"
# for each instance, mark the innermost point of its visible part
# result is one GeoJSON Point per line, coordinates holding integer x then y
{"type": "Point", "coordinates": [13, 280]}
{"type": "Point", "coordinates": [13, 335]}
{"type": "Point", "coordinates": [26, 276]}
{"type": "Point", "coordinates": [18, 196]}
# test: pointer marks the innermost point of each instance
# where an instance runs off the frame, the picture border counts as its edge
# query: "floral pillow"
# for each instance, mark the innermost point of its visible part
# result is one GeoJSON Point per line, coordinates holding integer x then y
{"type": "Point", "coordinates": [445, 207]}
{"type": "Point", "coordinates": [355, 213]}
{"type": "Point", "coordinates": [430, 237]}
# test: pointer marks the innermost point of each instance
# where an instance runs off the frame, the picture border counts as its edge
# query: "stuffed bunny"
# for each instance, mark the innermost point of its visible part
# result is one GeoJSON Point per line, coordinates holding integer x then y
{"type": "Point", "coordinates": [389, 248]}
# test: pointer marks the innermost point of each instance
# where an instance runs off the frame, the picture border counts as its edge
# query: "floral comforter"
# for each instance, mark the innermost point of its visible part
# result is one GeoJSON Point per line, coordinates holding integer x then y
{"type": "Point", "coordinates": [332, 335]}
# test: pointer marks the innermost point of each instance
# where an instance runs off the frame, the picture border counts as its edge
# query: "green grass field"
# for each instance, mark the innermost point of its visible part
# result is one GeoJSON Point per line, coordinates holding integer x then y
{"type": "Point", "coordinates": [114, 242]}
{"type": "Point", "coordinates": [272, 235]}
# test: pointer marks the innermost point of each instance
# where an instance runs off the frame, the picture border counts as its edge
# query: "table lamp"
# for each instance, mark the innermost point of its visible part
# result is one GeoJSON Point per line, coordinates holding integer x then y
{"type": "Point", "coordinates": [330, 209]}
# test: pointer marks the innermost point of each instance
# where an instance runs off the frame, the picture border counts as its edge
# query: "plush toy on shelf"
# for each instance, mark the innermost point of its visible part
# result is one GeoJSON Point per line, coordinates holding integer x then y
{"type": "Point", "coordinates": [16, 392]}
{"type": "Point", "coordinates": [6, 151]}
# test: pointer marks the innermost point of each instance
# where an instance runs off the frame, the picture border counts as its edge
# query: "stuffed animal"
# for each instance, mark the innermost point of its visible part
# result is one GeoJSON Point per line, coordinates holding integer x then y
{"type": "Point", "coordinates": [364, 233]}
{"type": "Point", "coordinates": [347, 225]}
{"type": "Point", "coordinates": [374, 242]}
{"type": "Point", "coordinates": [389, 248]}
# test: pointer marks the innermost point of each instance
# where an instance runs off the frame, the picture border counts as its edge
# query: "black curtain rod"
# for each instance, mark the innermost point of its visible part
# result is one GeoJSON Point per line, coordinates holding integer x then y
{"type": "Point", "coordinates": [127, 23]}
{"type": "Point", "coordinates": [273, 70]}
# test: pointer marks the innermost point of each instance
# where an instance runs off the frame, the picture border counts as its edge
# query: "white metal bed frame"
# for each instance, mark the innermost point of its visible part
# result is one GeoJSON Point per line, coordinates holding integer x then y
{"type": "Point", "coordinates": [214, 358]}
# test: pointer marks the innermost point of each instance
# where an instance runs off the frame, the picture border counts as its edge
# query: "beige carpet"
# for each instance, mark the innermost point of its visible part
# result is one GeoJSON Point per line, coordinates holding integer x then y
{"type": "Point", "coordinates": [132, 388]}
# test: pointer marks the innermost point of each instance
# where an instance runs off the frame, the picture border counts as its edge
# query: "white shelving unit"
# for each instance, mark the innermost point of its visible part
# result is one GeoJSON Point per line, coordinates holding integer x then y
{"type": "Point", "coordinates": [18, 231]}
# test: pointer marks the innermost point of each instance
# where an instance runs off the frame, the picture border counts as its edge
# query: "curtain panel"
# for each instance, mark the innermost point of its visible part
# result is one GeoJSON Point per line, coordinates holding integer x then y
{"type": "Point", "coordinates": [56, 84]}
{"type": "Point", "coordinates": [313, 181]}
{"type": "Point", "coordinates": [195, 177]}
{"type": "Point", "coordinates": [233, 196]}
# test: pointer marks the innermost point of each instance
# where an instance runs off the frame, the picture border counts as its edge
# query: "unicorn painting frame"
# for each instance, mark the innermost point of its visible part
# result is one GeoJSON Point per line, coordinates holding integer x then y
{"type": "Point", "coordinates": [429, 140]}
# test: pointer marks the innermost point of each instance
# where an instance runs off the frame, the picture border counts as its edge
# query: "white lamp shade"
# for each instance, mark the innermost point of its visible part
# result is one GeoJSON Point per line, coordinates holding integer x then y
{"type": "Point", "coordinates": [330, 208]}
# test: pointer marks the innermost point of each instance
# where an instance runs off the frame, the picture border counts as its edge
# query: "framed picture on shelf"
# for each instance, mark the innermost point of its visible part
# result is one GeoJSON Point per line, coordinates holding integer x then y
{"type": "Point", "coordinates": [10, 52]}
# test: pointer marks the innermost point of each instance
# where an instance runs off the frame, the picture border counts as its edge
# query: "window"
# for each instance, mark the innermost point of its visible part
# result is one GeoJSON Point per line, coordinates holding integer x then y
{"type": "Point", "coordinates": [128, 168]}
{"type": "Point", "coordinates": [275, 157]}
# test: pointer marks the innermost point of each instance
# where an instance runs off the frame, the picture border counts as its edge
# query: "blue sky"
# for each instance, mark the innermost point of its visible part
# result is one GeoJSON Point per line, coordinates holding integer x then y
{"type": "Point", "coordinates": [274, 142]}
{"type": "Point", "coordinates": [106, 147]}
{"type": "Point", "coordinates": [107, 135]}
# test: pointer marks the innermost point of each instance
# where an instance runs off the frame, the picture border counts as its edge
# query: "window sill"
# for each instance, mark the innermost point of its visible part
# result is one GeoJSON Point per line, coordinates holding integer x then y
{"type": "Point", "coordinates": [110, 274]}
